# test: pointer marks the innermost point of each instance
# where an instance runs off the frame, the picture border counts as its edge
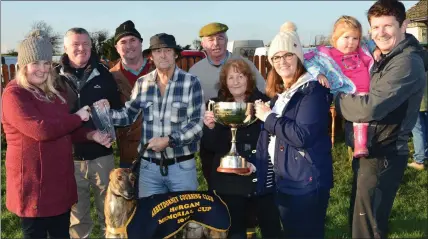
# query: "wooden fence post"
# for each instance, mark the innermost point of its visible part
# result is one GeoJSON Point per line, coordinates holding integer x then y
{"type": "Point", "coordinates": [184, 65]}
{"type": "Point", "coordinates": [5, 75]}
{"type": "Point", "coordinates": [12, 71]}
{"type": "Point", "coordinates": [191, 62]}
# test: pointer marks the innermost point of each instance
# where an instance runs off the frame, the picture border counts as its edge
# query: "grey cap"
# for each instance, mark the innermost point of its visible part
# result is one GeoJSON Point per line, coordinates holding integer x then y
{"type": "Point", "coordinates": [35, 47]}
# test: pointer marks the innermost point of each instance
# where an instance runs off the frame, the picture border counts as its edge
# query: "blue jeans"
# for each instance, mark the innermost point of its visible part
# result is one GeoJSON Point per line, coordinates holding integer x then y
{"type": "Point", "coordinates": [420, 133]}
{"type": "Point", "coordinates": [181, 177]}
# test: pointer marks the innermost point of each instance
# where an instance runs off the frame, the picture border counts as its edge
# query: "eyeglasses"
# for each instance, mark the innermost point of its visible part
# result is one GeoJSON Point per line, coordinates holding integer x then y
{"type": "Point", "coordinates": [287, 56]}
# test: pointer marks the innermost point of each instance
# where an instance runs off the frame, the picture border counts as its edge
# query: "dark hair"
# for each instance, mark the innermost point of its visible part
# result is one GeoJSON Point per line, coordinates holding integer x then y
{"type": "Point", "coordinates": [275, 84]}
{"type": "Point", "coordinates": [388, 8]}
{"type": "Point", "coordinates": [238, 65]}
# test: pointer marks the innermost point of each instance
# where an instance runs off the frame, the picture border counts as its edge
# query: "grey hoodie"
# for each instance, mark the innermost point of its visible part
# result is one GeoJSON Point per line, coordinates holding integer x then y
{"type": "Point", "coordinates": [396, 88]}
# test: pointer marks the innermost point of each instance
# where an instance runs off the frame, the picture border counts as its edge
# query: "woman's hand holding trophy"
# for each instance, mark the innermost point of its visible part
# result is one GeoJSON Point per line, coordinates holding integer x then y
{"type": "Point", "coordinates": [209, 120]}
{"type": "Point", "coordinates": [262, 110]}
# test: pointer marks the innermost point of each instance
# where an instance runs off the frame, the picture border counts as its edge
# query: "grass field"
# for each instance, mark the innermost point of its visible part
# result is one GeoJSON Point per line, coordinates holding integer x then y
{"type": "Point", "coordinates": [409, 217]}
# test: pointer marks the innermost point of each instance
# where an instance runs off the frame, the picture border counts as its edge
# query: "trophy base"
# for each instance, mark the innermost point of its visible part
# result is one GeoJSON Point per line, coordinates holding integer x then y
{"type": "Point", "coordinates": [233, 170]}
{"type": "Point", "coordinates": [233, 163]}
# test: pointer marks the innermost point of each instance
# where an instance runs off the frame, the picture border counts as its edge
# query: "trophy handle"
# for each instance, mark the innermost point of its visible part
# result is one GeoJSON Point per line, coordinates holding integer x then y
{"type": "Point", "coordinates": [211, 105]}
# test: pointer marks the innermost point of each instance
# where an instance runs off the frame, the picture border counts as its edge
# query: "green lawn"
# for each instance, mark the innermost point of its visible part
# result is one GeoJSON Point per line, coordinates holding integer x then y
{"type": "Point", "coordinates": [408, 219]}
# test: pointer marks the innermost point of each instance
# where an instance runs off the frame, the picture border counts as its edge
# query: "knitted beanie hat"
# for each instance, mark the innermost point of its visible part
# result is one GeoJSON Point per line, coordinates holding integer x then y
{"type": "Point", "coordinates": [286, 40]}
{"type": "Point", "coordinates": [125, 29]}
{"type": "Point", "coordinates": [36, 47]}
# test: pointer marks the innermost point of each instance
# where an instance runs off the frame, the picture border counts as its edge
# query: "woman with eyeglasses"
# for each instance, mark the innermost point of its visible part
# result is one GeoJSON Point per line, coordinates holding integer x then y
{"type": "Point", "coordinates": [295, 138]}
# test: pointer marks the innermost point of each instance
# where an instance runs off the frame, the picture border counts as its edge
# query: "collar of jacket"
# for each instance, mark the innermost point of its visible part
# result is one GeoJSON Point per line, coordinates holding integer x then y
{"type": "Point", "coordinates": [228, 54]}
{"type": "Point", "coordinates": [74, 82]}
{"type": "Point", "coordinates": [409, 42]}
{"type": "Point", "coordinates": [122, 82]}
{"type": "Point", "coordinates": [304, 85]}
{"type": "Point", "coordinates": [65, 63]}
{"type": "Point", "coordinates": [174, 77]}
{"type": "Point", "coordinates": [90, 72]}
{"type": "Point", "coordinates": [136, 73]}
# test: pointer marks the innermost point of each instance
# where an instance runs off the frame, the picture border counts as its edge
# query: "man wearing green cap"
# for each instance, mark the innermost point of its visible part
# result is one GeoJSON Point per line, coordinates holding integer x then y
{"type": "Point", "coordinates": [214, 42]}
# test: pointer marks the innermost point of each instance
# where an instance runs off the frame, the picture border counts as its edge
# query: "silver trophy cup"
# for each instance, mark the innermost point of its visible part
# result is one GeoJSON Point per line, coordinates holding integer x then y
{"type": "Point", "coordinates": [234, 115]}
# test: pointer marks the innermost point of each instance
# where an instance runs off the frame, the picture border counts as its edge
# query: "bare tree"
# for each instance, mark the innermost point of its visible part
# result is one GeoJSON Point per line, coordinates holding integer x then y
{"type": "Point", "coordinates": [109, 50]}
{"type": "Point", "coordinates": [197, 44]}
{"type": "Point", "coordinates": [12, 52]}
{"type": "Point", "coordinates": [98, 39]}
{"type": "Point", "coordinates": [186, 47]}
{"type": "Point", "coordinates": [322, 40]}
{"type": "Point", "coordinates": [326, 41]}
{"type": "Point", "coordinates": [55, 37]}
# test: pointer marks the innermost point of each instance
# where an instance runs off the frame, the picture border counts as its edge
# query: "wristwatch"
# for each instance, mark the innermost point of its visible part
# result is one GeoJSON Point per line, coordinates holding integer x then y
{"type": "Point", "coordinates": [171, 141]}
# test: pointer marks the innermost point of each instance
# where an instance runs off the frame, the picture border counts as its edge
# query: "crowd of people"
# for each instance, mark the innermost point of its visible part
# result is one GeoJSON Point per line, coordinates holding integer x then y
{"type": "Point", "coordinates": [56, 155]}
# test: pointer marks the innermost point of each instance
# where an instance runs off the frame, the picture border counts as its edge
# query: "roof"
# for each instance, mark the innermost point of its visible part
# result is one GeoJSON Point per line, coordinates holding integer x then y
{"type": "Point", "coordinates": [418, 12]}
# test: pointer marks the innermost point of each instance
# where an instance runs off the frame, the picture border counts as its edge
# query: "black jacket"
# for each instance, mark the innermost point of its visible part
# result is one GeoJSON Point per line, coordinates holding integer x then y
{"type": "Point", "coordinates": [396, 88]}
{"type": "Point", "coordinates": [84, 87]}
{"type": "Point", "coordinates": [216, 143]}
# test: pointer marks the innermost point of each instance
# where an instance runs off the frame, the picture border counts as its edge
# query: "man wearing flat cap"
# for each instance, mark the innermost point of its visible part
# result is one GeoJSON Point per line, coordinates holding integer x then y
{"type": "Point", "coordinates": [131, 66]}
{"type": "Point", "coordinates": [171, 104]}
{"type": "Point", "coordinates": [214, 42]}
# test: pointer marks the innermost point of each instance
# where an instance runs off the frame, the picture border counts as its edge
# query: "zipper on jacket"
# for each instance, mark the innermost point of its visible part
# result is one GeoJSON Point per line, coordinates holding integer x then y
{"type": "Point", "coordinates": [78, 96]}
{"type": "Point", "coordinates": [78, 101]}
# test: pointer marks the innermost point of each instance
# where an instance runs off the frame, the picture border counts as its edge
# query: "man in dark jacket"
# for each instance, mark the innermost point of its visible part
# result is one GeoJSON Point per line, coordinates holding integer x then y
{"type": "Point", "coordinates": [86, 81]}
{"type": "Point", "coordinates": [391, 107]}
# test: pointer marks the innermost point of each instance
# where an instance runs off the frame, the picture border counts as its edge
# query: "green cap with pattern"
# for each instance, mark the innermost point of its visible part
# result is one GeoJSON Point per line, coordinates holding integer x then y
{"type": "Point", "coordinates": [212, 28]}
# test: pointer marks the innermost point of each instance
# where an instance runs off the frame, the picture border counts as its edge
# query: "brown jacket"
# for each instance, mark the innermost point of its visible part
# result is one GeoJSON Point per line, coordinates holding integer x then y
{"type": "Point", "coordinates": [128, 138]}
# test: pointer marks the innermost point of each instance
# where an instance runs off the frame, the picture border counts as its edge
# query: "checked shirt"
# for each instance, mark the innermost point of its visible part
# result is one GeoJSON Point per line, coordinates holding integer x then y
{"type": "Point", "coordinates": [178, 113]}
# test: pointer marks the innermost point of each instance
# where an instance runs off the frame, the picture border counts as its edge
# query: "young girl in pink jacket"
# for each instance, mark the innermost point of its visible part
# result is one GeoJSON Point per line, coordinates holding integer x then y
{"type": "Point", "coordinates": [345, 67]}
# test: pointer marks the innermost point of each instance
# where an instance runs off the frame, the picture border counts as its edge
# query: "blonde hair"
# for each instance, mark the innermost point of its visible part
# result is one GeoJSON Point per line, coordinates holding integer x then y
{"type": "Point", "coordinates": [345, 24]}
{"type": "Point", "coordinates": [48, 87]}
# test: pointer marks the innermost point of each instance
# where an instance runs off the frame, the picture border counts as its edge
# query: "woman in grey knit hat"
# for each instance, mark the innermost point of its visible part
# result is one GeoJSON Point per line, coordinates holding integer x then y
{"type": "Point", "coordinates": [40, 183]}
